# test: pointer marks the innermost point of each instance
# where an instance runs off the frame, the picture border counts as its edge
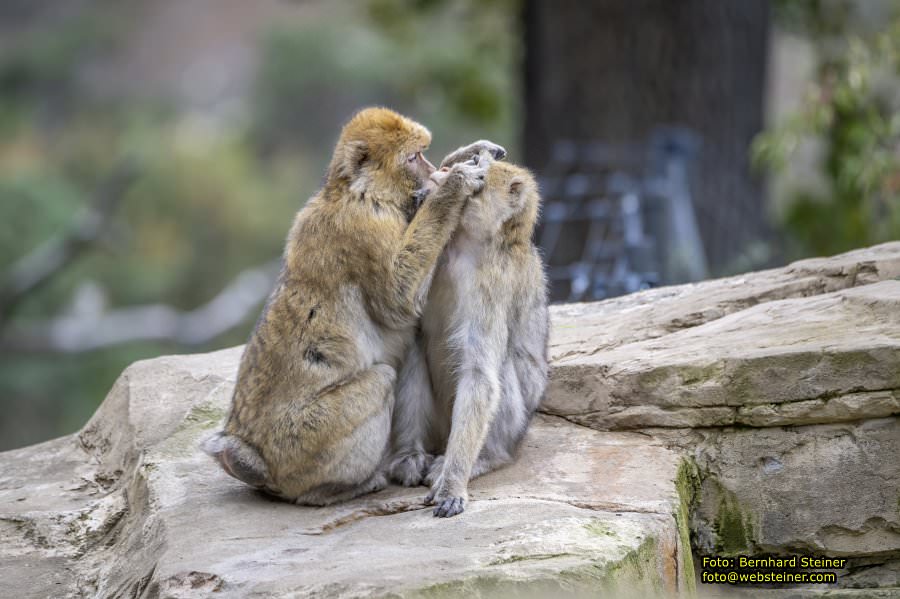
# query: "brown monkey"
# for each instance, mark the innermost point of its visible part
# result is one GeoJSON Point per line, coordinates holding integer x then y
{"type": "Point", "coordinates": [311, 411]}
{"type": "Point", "coordinates": [471, 383]}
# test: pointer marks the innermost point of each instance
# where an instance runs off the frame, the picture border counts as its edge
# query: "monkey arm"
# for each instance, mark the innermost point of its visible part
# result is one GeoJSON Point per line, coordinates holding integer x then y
{"type": "Point", "coordinates": [397, 297]}
{"type": "Point", "coordinates": [464, 153]}
{"type": "Point", "coordinates": [475, 404]}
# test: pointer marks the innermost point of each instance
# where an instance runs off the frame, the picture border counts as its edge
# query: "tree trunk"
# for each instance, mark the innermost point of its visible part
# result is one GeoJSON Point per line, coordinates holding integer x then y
{"type": "Point", "coordinates": [613, 70]}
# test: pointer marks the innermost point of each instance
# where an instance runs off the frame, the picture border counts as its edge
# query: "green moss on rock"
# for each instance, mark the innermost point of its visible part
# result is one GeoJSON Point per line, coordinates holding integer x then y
{"type": "Point", "coordinates": [734, 526]}
{"type": "Point", "coordinates": [687, 484]}
{"type": "Point", "coordinates": [638, 570]}
{"type": "Point", "coordinates": [599, 528]}
{"type": "Point", "coordinates": [636, 574]}
{"type": "Point", "coordinates": [201, 418]}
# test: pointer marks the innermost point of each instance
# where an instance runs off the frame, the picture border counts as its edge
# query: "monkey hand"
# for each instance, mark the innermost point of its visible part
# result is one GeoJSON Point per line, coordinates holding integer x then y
{"type": "Point", "coordinates": [496, 152]}
{"type": "Point", "coordinates": [449, 499]}
{"type": "Point", "coordinates": [466, 178]}
{"type": "Point", "coordinates": [461, 181]}
{"type": "Point", "coordinates": [446, 502]}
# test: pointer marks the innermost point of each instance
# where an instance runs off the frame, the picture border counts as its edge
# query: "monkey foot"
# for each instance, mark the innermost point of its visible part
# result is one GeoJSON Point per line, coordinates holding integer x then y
{"type": "Point", "coordinates": [409, 470]}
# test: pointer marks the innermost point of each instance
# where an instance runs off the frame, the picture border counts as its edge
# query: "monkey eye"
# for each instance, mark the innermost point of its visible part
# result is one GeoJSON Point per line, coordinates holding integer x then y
{"type": "Point", "coordinates": [412, 157]}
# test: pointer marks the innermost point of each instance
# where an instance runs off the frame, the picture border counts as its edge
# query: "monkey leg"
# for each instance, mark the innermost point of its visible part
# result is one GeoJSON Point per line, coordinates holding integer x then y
{"type": "Point", "coordinates": [476, 401]}
{"type": "Point", "coordinates": [328, 494]}
{"type": "Point", "coordinates": [413, 414]}
{"type": "Point", "coordinates": [490, 460]}
{"type": "Point", "coordinates": [350, 426]}
{"type": "Point", "coordinates": [508, 426]}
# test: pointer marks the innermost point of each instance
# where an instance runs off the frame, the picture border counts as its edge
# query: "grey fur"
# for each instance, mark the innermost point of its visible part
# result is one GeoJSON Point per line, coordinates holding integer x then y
{"type": "Point", "coordinates": [477, 372]}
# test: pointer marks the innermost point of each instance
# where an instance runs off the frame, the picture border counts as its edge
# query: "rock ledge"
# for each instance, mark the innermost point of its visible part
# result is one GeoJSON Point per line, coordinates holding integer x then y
{"type": "Point", "coordinates": [752, 414]}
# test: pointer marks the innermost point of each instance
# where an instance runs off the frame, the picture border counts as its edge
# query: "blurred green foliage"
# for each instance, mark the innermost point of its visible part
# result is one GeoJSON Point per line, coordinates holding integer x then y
{"type": "Point", "coordinates": [200, 211]}
{"type": "Point", "coordinates": [209, 200]}
{"type": "Point", "coordinates": [852, 117]}
{"type": "Point", "coordinates": [451, 65]}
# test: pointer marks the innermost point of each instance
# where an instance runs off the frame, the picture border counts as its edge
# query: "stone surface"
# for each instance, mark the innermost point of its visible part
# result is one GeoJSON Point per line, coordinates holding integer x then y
{"type": "Point", "coordinates": [826, 489]}
{"type": "Point", "coordinates": [752, 414]}
{"type": "Point", "coordinates": [783, 387]}
{"type": "Point", "coordinates": [129, 506]}
{"type": "Point", "coordinates": [588, 328]}
{"type": "Point", "coordinates": [830, 358]}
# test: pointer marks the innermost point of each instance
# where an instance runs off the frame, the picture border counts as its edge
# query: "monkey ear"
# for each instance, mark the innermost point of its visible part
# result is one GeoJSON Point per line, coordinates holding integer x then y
{"type": "Point", "coordinates": [349, 159]}
{"type": "Point", "coordinates": [516, 197]}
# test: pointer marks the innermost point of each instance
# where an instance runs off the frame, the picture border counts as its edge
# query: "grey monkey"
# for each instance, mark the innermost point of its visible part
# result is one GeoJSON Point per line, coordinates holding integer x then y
{"type": "Point", "coordinates": [471, 382]}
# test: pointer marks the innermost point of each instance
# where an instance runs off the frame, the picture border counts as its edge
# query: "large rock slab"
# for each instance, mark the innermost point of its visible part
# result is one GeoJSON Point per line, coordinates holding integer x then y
{"type": "Point", "coordinates": [782, 386]}
{"type": "Point", "coordinates": [830, 358]}
{"type": "Point", "coordinates": [130, 507]}
{"type": "Point", "coordinates": [584, 329]}
{"type": "Point", "coordinates": [759, 411]}
{"type": "Point", "coordinates": [826, 489]}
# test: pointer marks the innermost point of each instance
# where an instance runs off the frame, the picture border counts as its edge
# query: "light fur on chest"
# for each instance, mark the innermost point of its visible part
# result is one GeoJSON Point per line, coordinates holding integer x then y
{"type": "Point", "coordinates": [454, 302]}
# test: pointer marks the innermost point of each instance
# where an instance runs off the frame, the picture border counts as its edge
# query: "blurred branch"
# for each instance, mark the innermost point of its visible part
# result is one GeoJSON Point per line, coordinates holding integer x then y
{"type": "Point", "coordinates": [40, 266]}
{"type": "Point", "coordinates": [72, 333]}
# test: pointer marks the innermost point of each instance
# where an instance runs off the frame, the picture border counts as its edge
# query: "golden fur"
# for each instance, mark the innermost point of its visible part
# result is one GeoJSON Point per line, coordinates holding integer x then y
{"type": "Point", "coordinates": [310, 414]}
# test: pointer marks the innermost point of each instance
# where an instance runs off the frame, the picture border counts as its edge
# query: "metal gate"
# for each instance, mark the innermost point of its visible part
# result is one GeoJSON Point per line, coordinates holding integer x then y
{"type": "Point", "coordinates": [618, 218]}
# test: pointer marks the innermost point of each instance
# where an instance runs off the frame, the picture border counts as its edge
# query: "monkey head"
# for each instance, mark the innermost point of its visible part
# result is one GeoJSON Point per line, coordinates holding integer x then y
{"type": "Point", "coordinates": [507, 207]}
{"type": "Point", "coordinates": [380, 154]}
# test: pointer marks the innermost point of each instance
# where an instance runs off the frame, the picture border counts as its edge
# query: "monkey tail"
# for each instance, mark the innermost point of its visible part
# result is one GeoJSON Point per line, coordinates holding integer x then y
{"type": "Point", "coordinates": [237, 458]}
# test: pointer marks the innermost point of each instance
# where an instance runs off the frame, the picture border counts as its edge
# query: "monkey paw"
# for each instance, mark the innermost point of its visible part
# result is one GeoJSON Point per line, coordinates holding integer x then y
{"type": "Point", "coordinates": [446, 502]}
{"type": "Point", "coordinates": [450, 506]}
{"type": "Point", "coordinates": [409, 470]}
{"type": "Point", "coordinates": [471, 173]}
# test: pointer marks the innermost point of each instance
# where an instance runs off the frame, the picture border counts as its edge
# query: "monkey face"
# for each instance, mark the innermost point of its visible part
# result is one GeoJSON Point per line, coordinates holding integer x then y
{"type": "Point", "coordinates": [380, 152]}
{"type": "Point", "coordinates": [418, 168]}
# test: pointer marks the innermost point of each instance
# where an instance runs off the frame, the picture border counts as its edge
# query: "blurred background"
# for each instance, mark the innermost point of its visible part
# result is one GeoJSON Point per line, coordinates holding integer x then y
{"type": "Point", "coordinates": [153, 154]}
